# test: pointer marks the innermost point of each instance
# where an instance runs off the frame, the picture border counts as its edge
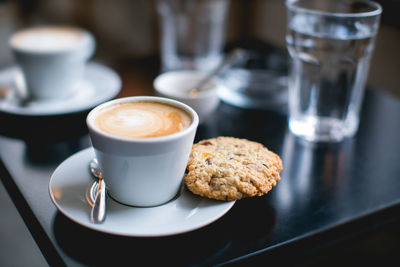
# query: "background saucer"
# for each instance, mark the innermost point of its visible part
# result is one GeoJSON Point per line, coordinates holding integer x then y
{"type": "Point", "coordinates": [98, 85]}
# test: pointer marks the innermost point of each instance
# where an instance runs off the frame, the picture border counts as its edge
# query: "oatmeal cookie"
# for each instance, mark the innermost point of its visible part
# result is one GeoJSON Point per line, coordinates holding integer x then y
{"type": "Point", "coordinates": [228, 168]}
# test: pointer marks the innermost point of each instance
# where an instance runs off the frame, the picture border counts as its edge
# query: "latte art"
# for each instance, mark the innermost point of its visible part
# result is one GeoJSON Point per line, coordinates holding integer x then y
{"type": "Point", "coordinates": [142, 119]}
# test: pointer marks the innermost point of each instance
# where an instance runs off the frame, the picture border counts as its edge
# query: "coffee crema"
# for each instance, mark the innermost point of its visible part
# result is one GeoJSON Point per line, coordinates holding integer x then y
{"type": "Point", "coordinates": [142, 119]}
{"type": "Point", "coordinates": [51, 38]}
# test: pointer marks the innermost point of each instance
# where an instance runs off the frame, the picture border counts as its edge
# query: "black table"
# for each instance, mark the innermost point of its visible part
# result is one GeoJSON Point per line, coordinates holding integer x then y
{"type": "Point", "coordinates": [327, 192]}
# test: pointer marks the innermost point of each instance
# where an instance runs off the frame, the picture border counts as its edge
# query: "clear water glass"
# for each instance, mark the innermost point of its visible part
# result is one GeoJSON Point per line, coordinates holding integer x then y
{"type": "Point", "coordinates": [192, 33]}
{"type": "Point", "coordinates": [330, 44]}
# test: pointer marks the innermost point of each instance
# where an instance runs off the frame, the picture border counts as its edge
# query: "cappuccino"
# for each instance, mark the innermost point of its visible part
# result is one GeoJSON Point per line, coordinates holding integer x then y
{"type": "Point", "coordinates": [142, 145]}
{"type": "Point", "coordinates": [49, 38]}
{"type": "Point", "coordinates": [142, 119]}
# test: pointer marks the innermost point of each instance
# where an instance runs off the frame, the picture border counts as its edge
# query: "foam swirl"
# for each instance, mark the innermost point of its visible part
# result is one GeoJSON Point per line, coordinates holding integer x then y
{"type": "Point", "coordinates": [142, 119]}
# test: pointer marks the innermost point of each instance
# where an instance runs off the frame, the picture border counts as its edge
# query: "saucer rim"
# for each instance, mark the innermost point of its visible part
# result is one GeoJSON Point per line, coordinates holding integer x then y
{"type": "Point", "coordinates": [225, 207]}
{"type": "Point", "coordinates": [108, 94]}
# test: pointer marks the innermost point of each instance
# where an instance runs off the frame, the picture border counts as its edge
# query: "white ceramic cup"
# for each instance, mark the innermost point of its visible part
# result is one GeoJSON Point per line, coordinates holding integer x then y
{"type": "Point", "coordinates": [177, 85]}
{"type": "Point", "coordinates": [143, 171]}
{"type": "Point", "coordinates": [52, 59]}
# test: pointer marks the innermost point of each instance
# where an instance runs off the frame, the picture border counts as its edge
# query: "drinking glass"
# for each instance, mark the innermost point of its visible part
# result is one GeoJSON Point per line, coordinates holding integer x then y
{"type": "Point", "coordinates": [192, 33]}
{"type": "Point", "coordinates": [330, 44]}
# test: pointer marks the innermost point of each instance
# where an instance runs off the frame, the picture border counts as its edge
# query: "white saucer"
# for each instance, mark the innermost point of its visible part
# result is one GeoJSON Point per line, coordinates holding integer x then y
{"type": "Point", "coordinates": [98, 85]}
{"type": "Point", "coordinates": [70, 187]}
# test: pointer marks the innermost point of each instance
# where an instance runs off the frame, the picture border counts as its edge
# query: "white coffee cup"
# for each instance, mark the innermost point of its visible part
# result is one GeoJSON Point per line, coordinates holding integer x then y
{"type": "Point", "coordinates": [144, 171]}
{"type": "Point", "coordinates": [52, 59]}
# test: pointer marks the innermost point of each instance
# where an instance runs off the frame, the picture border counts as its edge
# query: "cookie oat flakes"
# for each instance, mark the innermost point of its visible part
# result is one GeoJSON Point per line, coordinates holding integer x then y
{"type": "Point", "coordinates": [228, 168]}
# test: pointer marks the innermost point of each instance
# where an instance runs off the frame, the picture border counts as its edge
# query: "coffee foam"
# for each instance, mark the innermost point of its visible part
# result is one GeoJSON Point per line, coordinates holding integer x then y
{"type": "Point", "coordinates": [48, 38]}
{"type": "Point", "coordinates": [142, 119]}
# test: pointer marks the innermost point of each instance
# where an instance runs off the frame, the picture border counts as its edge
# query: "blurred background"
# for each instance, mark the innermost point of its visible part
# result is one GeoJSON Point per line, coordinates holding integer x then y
{"type": "Point", "coordinates": [128, 30]}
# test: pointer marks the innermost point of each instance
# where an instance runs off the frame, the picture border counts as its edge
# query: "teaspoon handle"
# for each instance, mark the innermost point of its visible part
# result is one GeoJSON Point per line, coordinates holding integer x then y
{"type": "Point", "coordinates": [232, 56]}
{"type": "Point", "coordinates": [98, 213]}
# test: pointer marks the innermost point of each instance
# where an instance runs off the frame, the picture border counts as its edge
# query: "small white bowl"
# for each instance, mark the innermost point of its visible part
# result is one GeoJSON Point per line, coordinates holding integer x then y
{"type": "Point", "coordinates": [177, 85]}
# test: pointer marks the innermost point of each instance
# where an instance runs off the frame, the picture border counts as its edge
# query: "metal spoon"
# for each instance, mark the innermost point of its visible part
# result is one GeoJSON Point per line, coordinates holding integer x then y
{"type": "Point", "coordinates": [98, 213]}
{"type": "Point", "coordinates": [232, 57]}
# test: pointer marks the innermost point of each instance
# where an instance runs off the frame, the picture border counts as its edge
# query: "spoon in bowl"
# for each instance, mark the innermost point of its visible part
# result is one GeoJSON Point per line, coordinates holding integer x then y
{"type": "Point", "coordinates": [98, 212]}
{"type": "Point", "coordinates": [232, 57]}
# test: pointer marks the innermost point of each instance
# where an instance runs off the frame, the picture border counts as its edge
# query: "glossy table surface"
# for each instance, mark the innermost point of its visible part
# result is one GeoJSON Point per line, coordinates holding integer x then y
{"type": "Point", "coordinates": [327, 190]}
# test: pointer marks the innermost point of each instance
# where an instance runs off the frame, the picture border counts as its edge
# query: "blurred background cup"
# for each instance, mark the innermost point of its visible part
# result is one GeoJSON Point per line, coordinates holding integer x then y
{"type": "Point", "coordinates": [330, 44]}
{"type": "Point", "coordinates": [178, 85]}
{"type": "Point", "coordinates": [192, 33]}
{"type": "Point", "coordinates": [52, 59]}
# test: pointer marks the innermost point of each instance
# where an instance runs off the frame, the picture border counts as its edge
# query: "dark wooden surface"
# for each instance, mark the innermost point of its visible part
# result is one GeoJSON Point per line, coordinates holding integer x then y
{"type": "Point", "coordinates": [332, 199]}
